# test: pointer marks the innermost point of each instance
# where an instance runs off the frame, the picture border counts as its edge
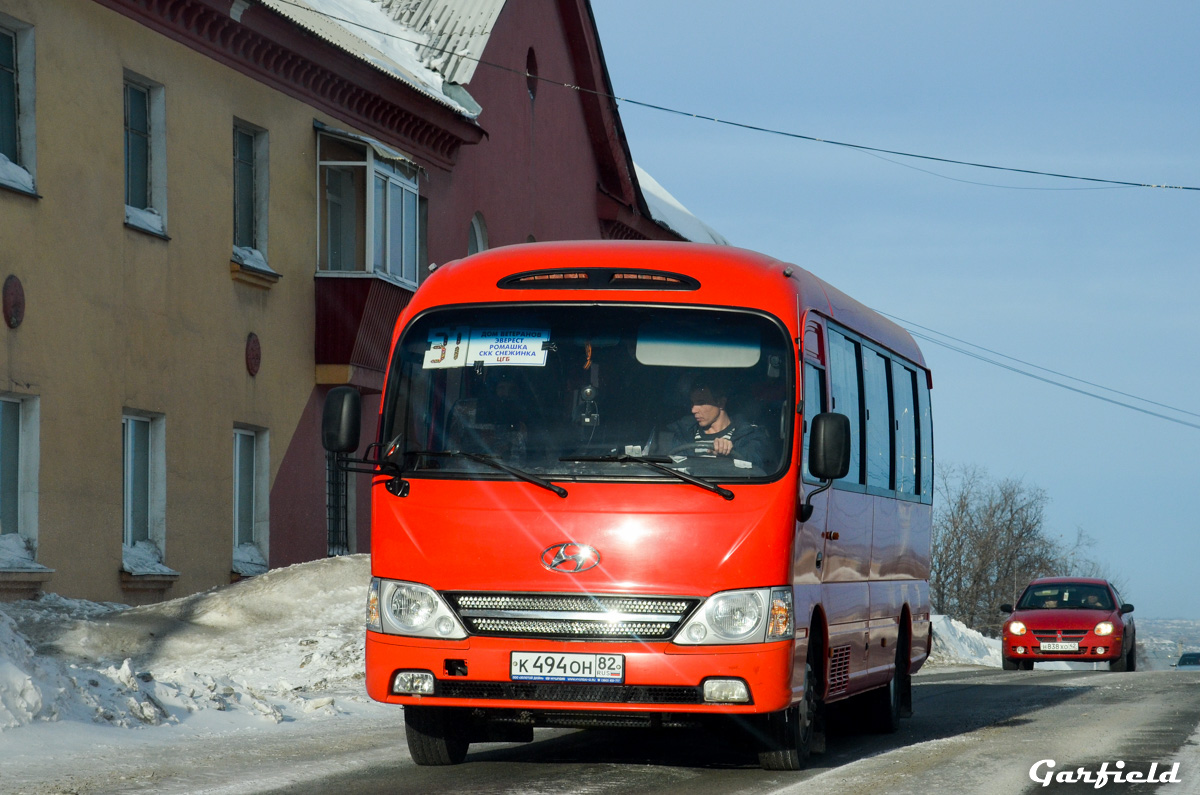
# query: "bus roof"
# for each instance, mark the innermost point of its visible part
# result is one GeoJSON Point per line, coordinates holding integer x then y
{"type": "Point", "coordinates": [712, 276]}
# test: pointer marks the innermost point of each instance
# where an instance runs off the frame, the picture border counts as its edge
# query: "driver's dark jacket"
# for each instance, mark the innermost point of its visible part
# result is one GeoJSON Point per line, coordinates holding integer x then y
{"type": "Point", "coordinates": [749, 441]}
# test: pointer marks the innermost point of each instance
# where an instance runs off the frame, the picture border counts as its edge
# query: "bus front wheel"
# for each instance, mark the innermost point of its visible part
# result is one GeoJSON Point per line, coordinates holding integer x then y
{"type": "Point", "coordinates": [789, 733]}
{"type": "Point", "coordinates": [436, 735]}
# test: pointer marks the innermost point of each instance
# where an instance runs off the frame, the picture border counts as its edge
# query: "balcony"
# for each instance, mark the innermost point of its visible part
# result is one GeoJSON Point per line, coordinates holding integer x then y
{"type": "Point", "coordinates": [356, 312]}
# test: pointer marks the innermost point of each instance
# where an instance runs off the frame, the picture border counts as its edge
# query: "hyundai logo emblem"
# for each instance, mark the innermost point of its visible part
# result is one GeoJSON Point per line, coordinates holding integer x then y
{"type": "Point", "coordinates": [570, 558]}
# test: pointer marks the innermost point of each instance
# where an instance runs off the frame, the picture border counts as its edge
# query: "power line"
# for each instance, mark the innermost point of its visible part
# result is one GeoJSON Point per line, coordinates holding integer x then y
{"type": "Point", "coordinates": [1037, 366]}
{"type": "Point", "coordinates": [1059, 384]}
{"type": "Point", "coordinates": [742, 125]}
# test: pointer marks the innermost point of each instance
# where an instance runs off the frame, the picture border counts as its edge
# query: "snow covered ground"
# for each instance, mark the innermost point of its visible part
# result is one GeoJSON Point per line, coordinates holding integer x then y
{"type": "Point", "coordinates": [249, 675]}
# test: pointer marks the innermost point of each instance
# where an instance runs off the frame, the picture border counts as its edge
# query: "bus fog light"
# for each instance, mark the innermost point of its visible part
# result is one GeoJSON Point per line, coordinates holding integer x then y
{"type": "Point", "coordinates": [726, 691]}
{"type": "Point", "coordinates": [412, 683]}
{"type": "Point", "coordinates": [445, 626]}
{"type": "Point", "coordinates": [696, 633]}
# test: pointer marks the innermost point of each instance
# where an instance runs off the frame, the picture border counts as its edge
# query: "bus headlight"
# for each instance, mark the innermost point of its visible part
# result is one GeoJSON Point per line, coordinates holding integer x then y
{"type": "Point", "coordinates": [409, 608]}
{"type": "Point", "coordinates": [740, 617]}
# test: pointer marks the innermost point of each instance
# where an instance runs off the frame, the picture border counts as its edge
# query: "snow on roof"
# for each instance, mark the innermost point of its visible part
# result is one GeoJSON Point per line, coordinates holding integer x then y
{"type": "Point", "coordinates": [667, 211]}
{"type": "Point", "coordinates": [363, 29]}
{"type": "Point", "coordinates": [456, 32]}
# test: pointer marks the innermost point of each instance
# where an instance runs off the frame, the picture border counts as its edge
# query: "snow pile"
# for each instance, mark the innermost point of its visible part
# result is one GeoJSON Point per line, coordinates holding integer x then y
{"type": "Point", "coordinates": [16, 555]}
{"type": "Point", "coordinates": [281, 646]}
{"type": "Point", "coordinates": [666, 210]}
{"type": "Point", "coordinates": [14, 176]}
{"type": "Point", "coordinates": [956, 644]}
{"type": "Point", "coordinates": [144, 557]}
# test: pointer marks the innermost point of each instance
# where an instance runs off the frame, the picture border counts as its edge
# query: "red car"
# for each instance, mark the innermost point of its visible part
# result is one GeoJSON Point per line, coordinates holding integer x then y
{"type": "Point", "coordinates": [1072, 619]}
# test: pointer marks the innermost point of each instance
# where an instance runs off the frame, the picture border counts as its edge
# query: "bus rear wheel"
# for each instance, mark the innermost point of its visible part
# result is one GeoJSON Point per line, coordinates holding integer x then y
{"type": "Point", "coordinates": [436, 735]}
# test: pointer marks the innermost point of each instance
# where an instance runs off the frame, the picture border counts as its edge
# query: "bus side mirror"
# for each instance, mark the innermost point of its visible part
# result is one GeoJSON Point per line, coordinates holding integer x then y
{"type": "Point", "coordinates": [340, 421]}
{"type": "Point", "coordinates": [828, 454]}
{"type": "Point", "coordinates": [829, 446]}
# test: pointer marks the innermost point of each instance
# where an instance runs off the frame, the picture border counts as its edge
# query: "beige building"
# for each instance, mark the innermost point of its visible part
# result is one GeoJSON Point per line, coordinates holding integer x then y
{"type": "Point", "coordinates": [210, 213]}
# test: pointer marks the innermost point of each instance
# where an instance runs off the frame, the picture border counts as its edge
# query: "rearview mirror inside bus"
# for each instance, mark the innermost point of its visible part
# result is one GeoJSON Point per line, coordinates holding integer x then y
{"type": "Point", "coordinates": [340, 420]}
{"type": "Point", "coordinates": [829, 446]}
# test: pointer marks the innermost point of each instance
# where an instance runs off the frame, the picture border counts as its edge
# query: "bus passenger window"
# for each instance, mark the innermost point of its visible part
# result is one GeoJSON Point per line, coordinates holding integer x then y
{"type": "Point", "coordinates": [904, 387]}
{"type": "Point", "coordinates": [814, 404]}
{"type": "Point", "coordinates": [879, 420]}
{"type": "Point", "coordinates": [925, 430]}
{"type": "Point", "coordinates": [844, 380]}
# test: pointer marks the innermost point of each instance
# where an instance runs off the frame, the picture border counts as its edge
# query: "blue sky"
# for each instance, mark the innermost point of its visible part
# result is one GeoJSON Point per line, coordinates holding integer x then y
{"type": "Point", "coordinates": [1099, 283]}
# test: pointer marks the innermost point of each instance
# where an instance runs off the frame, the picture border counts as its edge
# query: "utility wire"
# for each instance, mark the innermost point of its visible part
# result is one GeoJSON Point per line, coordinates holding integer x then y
{"type": "Point", "coordinates": [1059, 384]}
{"type": "Point", "coordinates": [908, 323]}
{"type": "Point", "coordinates": [739, 125]}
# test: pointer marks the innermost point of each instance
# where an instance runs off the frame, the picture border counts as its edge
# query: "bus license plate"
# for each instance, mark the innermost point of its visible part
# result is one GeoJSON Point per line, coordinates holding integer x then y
{"type": "Point", "coordinates": [528, 666]}
{"type": "Point", "coordinates": [1072, 646]}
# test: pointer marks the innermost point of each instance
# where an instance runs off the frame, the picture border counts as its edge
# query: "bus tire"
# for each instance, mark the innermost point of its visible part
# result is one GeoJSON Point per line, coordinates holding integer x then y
{"type": "Point", "coordinates": [884, 704]}
{"type": "Point", "coordinates": [436, 735]}
{"type": "Point", "coordinates": [788, 739]}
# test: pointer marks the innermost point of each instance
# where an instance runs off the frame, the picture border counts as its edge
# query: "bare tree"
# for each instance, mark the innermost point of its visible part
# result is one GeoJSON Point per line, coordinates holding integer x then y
{"type": "Point", "coordinates": [989, 541]}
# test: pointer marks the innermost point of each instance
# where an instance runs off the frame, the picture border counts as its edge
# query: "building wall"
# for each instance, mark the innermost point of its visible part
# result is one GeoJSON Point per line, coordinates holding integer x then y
{"type": "Point", "coordinates": [535, 173]}
{"type": "Point", "coordinates": [119, 319]}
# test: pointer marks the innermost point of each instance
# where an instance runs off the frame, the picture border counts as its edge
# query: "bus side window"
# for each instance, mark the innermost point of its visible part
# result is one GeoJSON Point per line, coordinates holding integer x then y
{"type": "Point", "coordinates": [814, 404]}
{"type": "Point", "coordinates": [925, 438]}
{"type": "Point", "coordinates": [904, 394]}
{"type": "Point", "coordinates": [846, 385]}
{"type": "Point", "coordinates": [879, 420]}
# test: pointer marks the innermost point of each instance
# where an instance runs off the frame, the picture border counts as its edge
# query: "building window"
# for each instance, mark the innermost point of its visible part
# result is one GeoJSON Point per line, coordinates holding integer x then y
{"type": "Point", "coordinates": [250, 503]}
{"type": "Point", "coordinates": [337, 506]}
{"type": "Point", "coordinates": [250, 196]}
{"type": "Point", "coordinates": [477, 238]}
{"type": "Point", "coordinates": [388, 215]}
{"type": "Point", "coordinates": [531, 73]}
{"type": "Point", "coordinates": [145, 155]}
{"type": "Point", "coordinates": [144, 480]}
{"type": "Point", "coordinates": [19, 419]}
{"type": "Point", "coordinates": [16, 105]}
{"type": "Point", "coordinates": [10, 468]}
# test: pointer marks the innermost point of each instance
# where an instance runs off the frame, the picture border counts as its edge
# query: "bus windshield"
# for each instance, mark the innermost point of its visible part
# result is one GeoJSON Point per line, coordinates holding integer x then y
{"type": "Point", "coordinates": [591, 392]}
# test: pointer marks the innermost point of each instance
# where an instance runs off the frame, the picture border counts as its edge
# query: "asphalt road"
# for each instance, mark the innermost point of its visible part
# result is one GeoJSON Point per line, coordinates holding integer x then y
{"type": "Point", "coordinates": [972, 731]}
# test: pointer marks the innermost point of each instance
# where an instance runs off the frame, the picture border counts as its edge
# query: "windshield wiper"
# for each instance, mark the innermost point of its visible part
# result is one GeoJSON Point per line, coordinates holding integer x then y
{"type": "Point", "coordinates": [656, 462]}
{"type": "Point", "coordinates": [492, 462]}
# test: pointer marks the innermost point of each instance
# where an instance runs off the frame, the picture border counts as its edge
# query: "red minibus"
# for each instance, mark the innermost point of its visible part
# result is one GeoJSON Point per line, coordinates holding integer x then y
{"type": "Point", "coordinates": [646, 485]}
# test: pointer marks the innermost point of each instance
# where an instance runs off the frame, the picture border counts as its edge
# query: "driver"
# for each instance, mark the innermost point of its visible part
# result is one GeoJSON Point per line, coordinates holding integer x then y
{"type": "Point", "coordinates": [709, 422]}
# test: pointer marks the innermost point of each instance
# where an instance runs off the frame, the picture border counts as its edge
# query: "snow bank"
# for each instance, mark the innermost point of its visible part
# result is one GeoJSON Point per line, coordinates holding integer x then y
{"type": "Point", "coordinates": [667, 210]}
{"type": "Point", "coordinates": [16, 555]}
{"type": "Point", "coordinates": [954, 643]}
{"type": "Point", "coordinates": [14, 176]}
{"type": "Point", "coordinates": [281, 646]}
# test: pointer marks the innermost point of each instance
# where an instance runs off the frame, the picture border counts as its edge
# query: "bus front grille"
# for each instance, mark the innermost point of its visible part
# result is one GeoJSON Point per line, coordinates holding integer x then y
{"type": "Point", "coordinates": [571, 616]}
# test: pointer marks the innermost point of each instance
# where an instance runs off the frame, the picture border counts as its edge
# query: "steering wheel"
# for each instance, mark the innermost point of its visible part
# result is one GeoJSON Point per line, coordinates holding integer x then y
{"type": "Point", "coordinates": [691, 447]}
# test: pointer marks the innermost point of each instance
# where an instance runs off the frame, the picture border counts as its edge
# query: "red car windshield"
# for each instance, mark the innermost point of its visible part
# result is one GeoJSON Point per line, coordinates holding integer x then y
{"type": "Point", "coordinates": [1069, 595]}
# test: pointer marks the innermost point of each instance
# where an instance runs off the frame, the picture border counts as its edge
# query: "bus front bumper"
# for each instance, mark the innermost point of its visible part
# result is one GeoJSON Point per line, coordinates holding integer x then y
{"type": "Point", "coordinates": [658, 677]}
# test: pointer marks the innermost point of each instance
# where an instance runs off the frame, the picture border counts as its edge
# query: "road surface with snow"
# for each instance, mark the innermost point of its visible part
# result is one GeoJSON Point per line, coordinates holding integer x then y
{"type": "Point", "coordinates": [258, 688]}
